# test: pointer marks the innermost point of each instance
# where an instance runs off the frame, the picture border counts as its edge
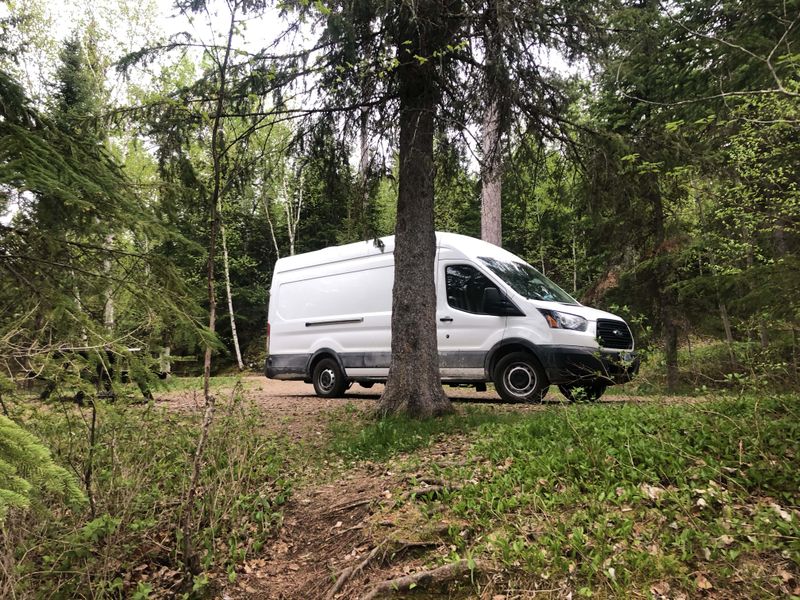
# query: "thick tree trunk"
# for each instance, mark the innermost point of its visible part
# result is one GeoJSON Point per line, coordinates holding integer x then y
{"type": "Point", "coordinates": [226, 267]}
{"type": "Point", "coordinates": [413, 387]}
{"type": "Point", "coordinates": [492, 129]}
{"type": "Point", "coordinates": [491, 176]}
{"type": "Point", "coordinates": [664, 296]}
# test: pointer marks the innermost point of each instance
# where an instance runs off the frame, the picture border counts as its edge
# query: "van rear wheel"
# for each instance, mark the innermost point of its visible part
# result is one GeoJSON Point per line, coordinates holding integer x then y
{"type": "Point", "coordinates": [518, 377]}
{"type": "Point", "coordinates": [328, 379]}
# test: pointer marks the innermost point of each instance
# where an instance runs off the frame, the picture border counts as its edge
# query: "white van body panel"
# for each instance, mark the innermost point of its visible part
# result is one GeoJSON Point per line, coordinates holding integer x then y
{"type": "Point", "coordinates": [337, 302]}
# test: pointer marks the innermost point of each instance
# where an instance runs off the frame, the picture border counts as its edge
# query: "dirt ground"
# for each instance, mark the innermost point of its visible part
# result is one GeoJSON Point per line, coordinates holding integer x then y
{"type": "Point", "coordinates": [346, 531]}
{"type": "Point", "coordinates": [291, 407]}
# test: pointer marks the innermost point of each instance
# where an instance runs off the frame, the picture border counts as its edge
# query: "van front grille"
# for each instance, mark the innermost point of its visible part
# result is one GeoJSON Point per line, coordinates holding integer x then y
{"type": "Point", "coordinates": [614, 334]}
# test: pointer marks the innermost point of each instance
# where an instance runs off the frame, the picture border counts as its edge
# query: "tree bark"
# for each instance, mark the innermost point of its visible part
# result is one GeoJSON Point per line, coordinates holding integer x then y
{"type": "Point", "coordinates": [363, 173]}
{"type": "Point", "coordinates": [664, 296]}
{"type": "Point", "coordinates": [492, 132]}
{"type": "Point", "coordinates": [226, 267]}
{"type": "Point", "coordinates": [491, 176]}
{"type": "Point", "coordinates": [265, 201]}
{"type": "Point", "coordinates": [108, 309]}
{"type": "Point", "coordinates": [726, 324]}
{"type": "Point", "coordinates": [413, 387]}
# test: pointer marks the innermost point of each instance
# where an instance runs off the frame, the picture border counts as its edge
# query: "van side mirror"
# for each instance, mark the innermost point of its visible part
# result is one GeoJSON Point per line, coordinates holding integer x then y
{"type": "Point", "coordinates": [495, 303]}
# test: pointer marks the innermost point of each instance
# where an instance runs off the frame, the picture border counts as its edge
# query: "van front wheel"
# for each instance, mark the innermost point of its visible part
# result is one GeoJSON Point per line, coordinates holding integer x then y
{"type": "Point", "coordinates": [328, 379]}
{"type": "Point", "coordinates": [518, 377]}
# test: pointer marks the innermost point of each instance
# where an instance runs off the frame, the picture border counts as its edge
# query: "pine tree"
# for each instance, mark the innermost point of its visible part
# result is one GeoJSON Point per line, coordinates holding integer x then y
{"type": "Point", "coordinates": [27, 471]}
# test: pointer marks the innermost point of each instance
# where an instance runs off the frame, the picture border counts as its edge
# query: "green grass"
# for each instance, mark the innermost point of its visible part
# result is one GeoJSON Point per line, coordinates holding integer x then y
{"type": "Point", "coordinates": [359, 436]}
{"type": "Point", "coordinates": [608, 500]}
{"type": "Point", "coordinates": [174, 384]}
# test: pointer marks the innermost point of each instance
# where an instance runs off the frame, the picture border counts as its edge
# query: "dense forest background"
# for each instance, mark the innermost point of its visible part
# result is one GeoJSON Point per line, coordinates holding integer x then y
{"type": "Point", "coordinates": [652, 171]}
{"type": "Point", "coordinates": [157, 158]}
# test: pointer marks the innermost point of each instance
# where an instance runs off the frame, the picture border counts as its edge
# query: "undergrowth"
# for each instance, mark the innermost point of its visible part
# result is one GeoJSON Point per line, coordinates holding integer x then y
{"type": "Point", "coordinates": [620, 500]}
{"type": "Point", "coordinates": [128, 544]}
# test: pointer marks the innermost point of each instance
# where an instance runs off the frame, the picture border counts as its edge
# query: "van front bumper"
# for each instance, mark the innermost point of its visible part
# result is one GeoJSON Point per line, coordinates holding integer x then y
{"type": "Point", "coordinates": [568, 364]}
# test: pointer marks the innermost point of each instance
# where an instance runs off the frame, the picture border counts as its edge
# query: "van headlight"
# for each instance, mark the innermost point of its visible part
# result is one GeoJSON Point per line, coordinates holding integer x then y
{"type": "Point", "coordinates": [561, 320]}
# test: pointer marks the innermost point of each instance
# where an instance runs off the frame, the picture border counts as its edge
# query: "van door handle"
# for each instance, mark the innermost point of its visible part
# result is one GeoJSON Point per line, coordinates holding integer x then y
{"type": "Point", "coordinates": [446, 319]}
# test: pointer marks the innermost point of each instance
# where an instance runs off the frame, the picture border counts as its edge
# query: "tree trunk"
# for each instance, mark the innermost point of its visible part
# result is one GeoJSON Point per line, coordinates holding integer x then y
{"type": "Point", "coordinates": [492, 131]}
{"type": "Point", "coordinates": [190, 557]}
{"type": "Point", "coordinates": [413, 387]}
{"type": "Point", "coordinates": [108, 309]}
{"type": "Point", "coordinates": [226, 267]}
{"type": "Point", "coordinates": [726, 324]}
{"type": "Point", "coordinates": [664, 296]}
{"type": "Point", "coordinates": [574, 263]}
{"type": "Point", "coordinates": [265, 201]}
{"type": "Point", "coordinates": [363, 173]}
{"type": "Point", "coordinates": [491, 176]}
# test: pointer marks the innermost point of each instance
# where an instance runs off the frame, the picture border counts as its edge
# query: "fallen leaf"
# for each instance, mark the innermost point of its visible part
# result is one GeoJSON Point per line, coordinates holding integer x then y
{"type": "Point", "coordinates": [701, 502]}
{"type": "Point", "coordinates": [659, 589]}
{"type": "Point", "coordinates": [651, 491]}
{"type": "Point", "coordinates": [785, 575]}
{"type": "Point", "coordinates": [294, 567]}
{"type": "Point", "coordinates": [725, 540]}
{"type": "Point", "coordinates": [782, 513]}
{"type": "Point", "coordinates": [703, 583]}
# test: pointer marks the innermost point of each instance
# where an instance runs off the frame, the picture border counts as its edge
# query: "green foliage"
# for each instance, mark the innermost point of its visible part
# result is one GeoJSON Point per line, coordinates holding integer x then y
{"type": "Point", "coordinates": [612, 499]}
{"type": "Point", "coordinates": [141, 463]}
{"type": "Point", "coordinates": [27, 470]}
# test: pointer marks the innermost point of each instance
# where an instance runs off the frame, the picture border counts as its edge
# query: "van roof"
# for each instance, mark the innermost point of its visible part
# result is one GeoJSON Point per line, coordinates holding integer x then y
{"type": "Point", "coordinates": [468, 246]}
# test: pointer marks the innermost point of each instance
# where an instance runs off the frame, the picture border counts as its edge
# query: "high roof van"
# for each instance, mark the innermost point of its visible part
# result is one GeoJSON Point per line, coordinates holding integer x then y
{"type": "Point", "coordinates": [498, 320]}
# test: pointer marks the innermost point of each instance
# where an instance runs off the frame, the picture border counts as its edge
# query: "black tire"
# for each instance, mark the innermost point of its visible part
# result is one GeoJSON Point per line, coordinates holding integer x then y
{"type": "Point", "coordinates": [576, 392]}
{"type": "Point", "coordinates": [328, 379]}
{"type": "Point", "coordinates": [519, 377]}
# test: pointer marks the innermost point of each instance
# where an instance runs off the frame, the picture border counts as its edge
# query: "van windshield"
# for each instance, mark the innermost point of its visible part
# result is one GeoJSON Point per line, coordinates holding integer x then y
{"type": "Point", "coordinates": [527, 281]}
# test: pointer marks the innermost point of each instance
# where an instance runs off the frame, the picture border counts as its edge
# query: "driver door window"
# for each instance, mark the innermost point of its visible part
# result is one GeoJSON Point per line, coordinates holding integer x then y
{"type": "Point", "coordinates": [465, 289]}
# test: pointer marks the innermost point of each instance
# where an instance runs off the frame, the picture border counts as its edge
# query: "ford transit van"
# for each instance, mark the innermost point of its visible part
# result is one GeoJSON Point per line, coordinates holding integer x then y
{"type": "Point", "coordinates": [498, 320]}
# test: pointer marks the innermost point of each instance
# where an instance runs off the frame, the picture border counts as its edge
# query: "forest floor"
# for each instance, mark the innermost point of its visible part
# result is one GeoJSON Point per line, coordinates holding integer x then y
{"type": "Point", "coordinates": [459, 512]}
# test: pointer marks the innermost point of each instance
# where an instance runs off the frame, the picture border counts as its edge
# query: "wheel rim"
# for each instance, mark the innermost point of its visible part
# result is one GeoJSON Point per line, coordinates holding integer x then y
{"type": "Point", "coordinates": [520, 380]}
{"type": "Point", "coordinates": [327, 380]}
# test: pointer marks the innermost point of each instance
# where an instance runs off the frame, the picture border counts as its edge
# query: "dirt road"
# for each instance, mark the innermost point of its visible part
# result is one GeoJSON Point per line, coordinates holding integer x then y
{"type": "Point", "coordinates": [292, 408]}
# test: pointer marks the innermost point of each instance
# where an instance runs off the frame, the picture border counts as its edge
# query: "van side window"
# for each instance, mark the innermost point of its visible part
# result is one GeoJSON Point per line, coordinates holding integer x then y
{"type": "Point", "coordinates": [465, 288]}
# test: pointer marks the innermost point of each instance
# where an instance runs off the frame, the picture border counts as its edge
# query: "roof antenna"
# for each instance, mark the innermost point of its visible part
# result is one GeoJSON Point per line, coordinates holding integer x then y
{"type": "Point", "coordinates": [378, 243]}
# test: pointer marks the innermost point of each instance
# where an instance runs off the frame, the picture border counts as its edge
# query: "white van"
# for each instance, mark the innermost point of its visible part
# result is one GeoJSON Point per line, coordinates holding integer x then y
{"type": "Point", "coordinates": [498, 320]}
